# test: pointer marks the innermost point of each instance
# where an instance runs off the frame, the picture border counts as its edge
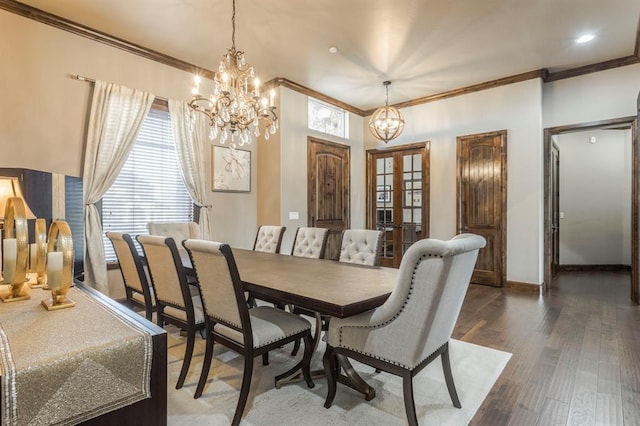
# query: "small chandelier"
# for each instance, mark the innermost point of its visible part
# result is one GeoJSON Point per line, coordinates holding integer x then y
{"type": "Point", "coordinates": [234, 108]}
{"type": "Point", "coordinates": [386, 123]}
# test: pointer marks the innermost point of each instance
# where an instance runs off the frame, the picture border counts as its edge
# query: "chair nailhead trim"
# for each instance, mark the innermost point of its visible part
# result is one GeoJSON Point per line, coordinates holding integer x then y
{"type": "Point", "coordinates": [390, 320]}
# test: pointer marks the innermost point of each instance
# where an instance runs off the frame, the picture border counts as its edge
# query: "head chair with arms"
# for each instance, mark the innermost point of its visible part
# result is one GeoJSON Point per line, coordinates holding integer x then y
{"type": "Point", "coordinates": [414, 325]}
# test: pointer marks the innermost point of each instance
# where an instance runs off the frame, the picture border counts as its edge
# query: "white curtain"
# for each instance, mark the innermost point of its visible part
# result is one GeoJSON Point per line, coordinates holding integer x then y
{"type": "Point", "coordinates": [190, 143]}
{"type": "Point", "coordinates": [117, 113]}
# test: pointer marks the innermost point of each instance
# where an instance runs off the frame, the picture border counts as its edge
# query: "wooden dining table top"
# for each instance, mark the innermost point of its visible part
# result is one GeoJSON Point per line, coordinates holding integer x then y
{"type": "Point", "coordinates": [325, 286]}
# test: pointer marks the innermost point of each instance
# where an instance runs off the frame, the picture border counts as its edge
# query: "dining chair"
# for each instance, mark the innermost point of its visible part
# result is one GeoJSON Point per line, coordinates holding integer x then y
{"type": "Point", "coordinates": [229, 321]}
{"type": "Point", "coordinates": [310, 242]}
{"type": "Point", "coordinates": [177, 302]}
{"type": "Point", "coordinates": [361, 246]}
{"type": "Point", "coordinates": [269, 238]}
{"type": "Point", "coordinates": [138, 292]}
{"type": "Point", "coordinates": [179, 231]}
{"type": "Point", "coordinates": [414, 325]}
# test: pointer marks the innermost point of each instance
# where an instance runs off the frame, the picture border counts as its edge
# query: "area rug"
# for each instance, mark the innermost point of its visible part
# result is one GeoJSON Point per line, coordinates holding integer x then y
{"type": "Point", "coordinates": [475, 370]}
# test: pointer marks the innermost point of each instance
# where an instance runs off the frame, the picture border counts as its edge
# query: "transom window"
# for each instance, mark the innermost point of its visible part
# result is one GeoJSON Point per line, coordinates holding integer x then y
{"type": "Point", "coordinates": [328, 119]}
{"type": "Point", "coordinates": [149, 187]}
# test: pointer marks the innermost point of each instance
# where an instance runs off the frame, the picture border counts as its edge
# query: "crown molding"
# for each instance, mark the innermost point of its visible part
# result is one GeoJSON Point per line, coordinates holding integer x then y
{"type": "Point", "coordinates": [102, 37]}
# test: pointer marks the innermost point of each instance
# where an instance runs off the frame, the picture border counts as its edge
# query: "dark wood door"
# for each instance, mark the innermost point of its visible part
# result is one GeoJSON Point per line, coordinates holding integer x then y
{"type": "Point", "coordinates": [481, 200]}
{"type": "Point", "coordinates": [555, 208]}
{"type": "Point", "coordinates": [398, 197]}
{"type": "Point", "coordinates": [328, 190]}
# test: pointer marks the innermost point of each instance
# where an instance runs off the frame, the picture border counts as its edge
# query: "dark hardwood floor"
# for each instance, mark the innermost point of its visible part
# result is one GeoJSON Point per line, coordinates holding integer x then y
{"type": "Point", "coordinates": [576, 351]}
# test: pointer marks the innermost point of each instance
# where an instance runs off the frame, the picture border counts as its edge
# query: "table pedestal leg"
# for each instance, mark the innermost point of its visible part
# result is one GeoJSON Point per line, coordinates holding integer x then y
{"type": "Point", "coordinates": [350, 377]}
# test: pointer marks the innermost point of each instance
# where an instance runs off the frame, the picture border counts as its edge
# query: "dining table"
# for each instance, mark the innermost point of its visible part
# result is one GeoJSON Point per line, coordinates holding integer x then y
{"type": "Point", "coordinates": [325, 287]}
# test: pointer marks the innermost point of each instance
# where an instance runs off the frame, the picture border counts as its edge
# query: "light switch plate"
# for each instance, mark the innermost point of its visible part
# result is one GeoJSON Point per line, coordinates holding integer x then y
{"type": "Point", "coordinates": [294, 215]}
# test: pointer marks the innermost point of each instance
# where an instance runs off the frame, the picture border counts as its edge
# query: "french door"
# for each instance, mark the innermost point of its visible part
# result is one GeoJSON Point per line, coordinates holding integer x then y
{"type": "Point", "coordinates": [398, 197]}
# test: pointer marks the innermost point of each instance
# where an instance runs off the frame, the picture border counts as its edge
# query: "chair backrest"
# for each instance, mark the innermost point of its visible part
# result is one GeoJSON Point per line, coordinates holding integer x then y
{"type": "Point", "coordinates": [167, 272]}
{"type": "Point", "coordinates": [269, 238]}
{"type": "Point", "coordinates": [131, 264]}
{"type": "Point", "coordinates": [361, 246]}
{"type": "Point", "coordinates": [310, 242]}
{"type": "Point", "coordinates": [421, 312]}
{"type": "Point", "coordinates": [220, 286]}
{"type": "Point", "coordinates": [179, 231]}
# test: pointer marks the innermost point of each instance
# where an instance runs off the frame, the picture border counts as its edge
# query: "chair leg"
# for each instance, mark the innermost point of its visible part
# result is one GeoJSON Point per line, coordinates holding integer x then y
{"type": "Point", "coordinates": [244, 389]}
{"type": "Point", "coordinates": [306, 360]}
{"type": "Point", "coordinates": [296, 347]}
{"type": "Point", "coordinates": [330, 362]}
{"type": "Point", "coordinates": [191, 337]}
{"type": "Point", "coordinates": [265, 358]}
{"type": "Point", "coordinates": [206, 366]}
{"type": "Point", "coordinates": [448, 377]}
{"type": "Point", "coordinates": [409, 405]}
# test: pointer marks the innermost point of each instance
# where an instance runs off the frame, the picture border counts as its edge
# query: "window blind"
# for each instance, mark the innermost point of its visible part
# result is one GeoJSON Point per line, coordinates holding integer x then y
{"type": "Point", "coordinates": [149, 187]}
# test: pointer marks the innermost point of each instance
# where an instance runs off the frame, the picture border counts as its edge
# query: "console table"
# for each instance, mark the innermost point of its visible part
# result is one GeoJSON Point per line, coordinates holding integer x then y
{"type": "Point", "coordinates": [128, 409]}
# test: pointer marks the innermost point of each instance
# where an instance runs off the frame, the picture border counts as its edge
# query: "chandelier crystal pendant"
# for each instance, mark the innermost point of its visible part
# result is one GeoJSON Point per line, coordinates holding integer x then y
{"type": "Point", "coordinates": [235, 107]}
{"type": "Point", "coordinates": [387, 122]}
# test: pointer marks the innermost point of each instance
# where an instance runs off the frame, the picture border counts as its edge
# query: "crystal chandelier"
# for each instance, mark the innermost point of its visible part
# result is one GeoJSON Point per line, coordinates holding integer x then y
{"type": "Point", "coordinates": [235, 106]}
{"type": "Point", "coordinates": [386, 123]}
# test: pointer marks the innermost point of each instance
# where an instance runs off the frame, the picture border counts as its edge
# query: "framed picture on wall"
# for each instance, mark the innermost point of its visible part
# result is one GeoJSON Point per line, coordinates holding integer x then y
{"type": "Point", "coordinates": [230, 169]}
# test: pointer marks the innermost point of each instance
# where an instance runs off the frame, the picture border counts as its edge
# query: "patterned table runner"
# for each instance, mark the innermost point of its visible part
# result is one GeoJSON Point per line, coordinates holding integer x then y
{"type": "Point", "coordinates": [67, 366]}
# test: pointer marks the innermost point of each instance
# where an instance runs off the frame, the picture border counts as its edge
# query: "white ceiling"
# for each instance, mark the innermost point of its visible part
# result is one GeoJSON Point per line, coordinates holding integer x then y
{"type": "Point", "coordinates": [425, 47]}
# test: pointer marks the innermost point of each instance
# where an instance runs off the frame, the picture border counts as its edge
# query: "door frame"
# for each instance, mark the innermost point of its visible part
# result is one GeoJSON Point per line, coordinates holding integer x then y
{"type": "Point", "coordinates": [635, 175]}
{"type": "Point", "coordinates": [503, 196]}
{"type": "Point", "coordinates": [426, 179]}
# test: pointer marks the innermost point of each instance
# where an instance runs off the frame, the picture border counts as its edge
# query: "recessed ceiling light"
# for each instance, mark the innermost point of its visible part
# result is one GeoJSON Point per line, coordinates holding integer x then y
{"type": "Point", "coordinates": [585, 38]}
{"type": "Point", "coordinates": [333, 49]}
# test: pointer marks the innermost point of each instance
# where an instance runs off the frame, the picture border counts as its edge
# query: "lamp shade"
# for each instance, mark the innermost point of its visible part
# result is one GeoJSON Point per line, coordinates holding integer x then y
{"type": "Point", "coordinates": [10, 187]}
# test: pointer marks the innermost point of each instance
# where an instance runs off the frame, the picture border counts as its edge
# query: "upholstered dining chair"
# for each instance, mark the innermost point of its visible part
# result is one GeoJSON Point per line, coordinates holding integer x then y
{"type": "Point", "coordinates": [310, 242]}
{"type": "Point", "coordinates": [229, 321]}
{"type": "Point", "coordinates": [414, 325]}
{"type": "Point", "coordinates": [177, 302]}
{"type": "Point", "coordinates": [269, 238]}
{"type": "Point", "coordinates": [138, 292]}
{"type": "Point", "coordinates": [361, 246]}
{"type": "Point", "coordinates": [179, 231]}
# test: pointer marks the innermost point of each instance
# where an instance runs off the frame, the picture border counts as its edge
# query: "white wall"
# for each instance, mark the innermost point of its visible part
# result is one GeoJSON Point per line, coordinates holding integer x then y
{"type": "Point", "coordinates": [591, 97]}
{"type": "Point", "coordinates": [294, 132]}
{"type": "Point", "coordinates": [515, 108]}
{"type": "Point", "coordinates": [43, 112]}
{"type": "Point", "coordinates": [595, 197]}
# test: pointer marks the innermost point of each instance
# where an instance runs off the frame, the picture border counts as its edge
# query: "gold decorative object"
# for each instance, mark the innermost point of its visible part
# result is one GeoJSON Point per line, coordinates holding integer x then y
{"type": "Point", "coordinates": [59, 266]}
{"type": "Point", "coordinates": [16, 252]}
{"type": "Point", "coordinates": [40, 247]}
{"type": "Point", "coordinates": [387, 122]}
{"type": "Point", "coordinates": [234, 108]}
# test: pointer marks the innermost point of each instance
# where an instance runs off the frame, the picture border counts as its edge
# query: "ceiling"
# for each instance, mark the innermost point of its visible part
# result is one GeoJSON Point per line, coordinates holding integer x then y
{"type": "Point", "coordinates": [424, 47]}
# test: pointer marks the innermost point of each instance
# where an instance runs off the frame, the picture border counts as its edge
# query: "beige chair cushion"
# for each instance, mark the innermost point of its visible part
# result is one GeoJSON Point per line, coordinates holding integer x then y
{"type": "Point", "coordinates": [268, 325]}
{"type": "Point", "coordinates": [309, 242]}
{"type": "Point", "coordinates": [179, 231]}
{"type": "Point", "coordinates": [268, 238]}
{"type": "Point", "coordinates": [361, 246]}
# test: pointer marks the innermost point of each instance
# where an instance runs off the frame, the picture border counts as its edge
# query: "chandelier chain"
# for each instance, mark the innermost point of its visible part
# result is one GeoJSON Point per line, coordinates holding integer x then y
{"type": "Point", "coordinates": [233, 26]}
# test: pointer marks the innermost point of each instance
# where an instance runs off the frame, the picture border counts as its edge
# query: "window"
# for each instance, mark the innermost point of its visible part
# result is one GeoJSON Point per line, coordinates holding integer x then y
{"type": "Point", "coordinates": [150, 186]}
{"type": "Point", "coordinates": [328, 119]}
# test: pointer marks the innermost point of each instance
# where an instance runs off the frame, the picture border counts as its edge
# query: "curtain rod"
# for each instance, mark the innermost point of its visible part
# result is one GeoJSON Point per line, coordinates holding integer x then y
{"type": "Point", "coordinates": [91, 80]}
